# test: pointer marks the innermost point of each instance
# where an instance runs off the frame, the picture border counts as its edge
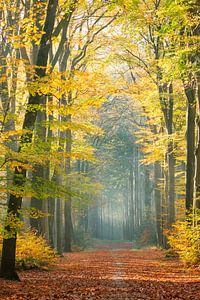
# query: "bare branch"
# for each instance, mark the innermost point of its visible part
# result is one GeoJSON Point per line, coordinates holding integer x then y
{"type": "Point", "coordinates": [90, 40]}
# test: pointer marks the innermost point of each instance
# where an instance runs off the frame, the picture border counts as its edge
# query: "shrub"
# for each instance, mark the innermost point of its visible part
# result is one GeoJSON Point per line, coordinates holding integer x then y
{"type": "Point", "coordinates": [184, 239]}
{"type": "Point", "coordinates": [33, 251]}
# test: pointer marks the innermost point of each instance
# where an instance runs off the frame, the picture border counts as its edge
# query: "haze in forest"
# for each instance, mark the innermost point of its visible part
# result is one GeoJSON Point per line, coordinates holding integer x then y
{"type": "Point", "coordinates": [99, 127]}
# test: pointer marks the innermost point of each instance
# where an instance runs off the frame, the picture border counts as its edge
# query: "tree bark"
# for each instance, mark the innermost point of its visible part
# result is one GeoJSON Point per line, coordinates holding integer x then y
{"type": "Point", "coordinates": [136, 194]}
{"type": "Point", "coordinates": [40, 174]}
{"type": "Point", "coordinates": [170, 159]}
{"type": "Point", "coordinates": [68, 200]}
{"type": "Point", "coordinates": [131, 204]}
{"type": "Point", "coordinates": [157, 197]}
{"type": "Point", "coordinates": [167, 105]}
{"type": "Point", "coordinates": [197, 151]}
{"type": "Point", "coordinates": [190, 139]}
{"type": "Point", "coordinates": [58, 223]}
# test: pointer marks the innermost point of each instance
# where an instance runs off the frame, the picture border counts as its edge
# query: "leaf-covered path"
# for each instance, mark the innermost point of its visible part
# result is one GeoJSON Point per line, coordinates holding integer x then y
{"type": "Point", "coordinates": [108, 274]}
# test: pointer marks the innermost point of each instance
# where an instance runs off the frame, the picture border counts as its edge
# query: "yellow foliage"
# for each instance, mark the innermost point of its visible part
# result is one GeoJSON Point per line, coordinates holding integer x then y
{"type": "Point", "coordinates": [32, 251]}
{"type": "Point", "coordinates": [14, 224]}
{"type": "Point", "coordinates": [33, 212]}
{"type": "Point", "coordinates": [184, 239]}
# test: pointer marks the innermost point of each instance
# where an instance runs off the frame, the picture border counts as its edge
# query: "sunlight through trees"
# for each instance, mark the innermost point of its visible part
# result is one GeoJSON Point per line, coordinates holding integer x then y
{"type": "Point", "coordinates": [100, 124]}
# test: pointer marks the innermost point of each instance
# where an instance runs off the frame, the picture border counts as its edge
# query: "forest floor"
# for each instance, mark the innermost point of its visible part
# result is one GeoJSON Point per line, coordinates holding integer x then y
{"type": "Point", "coordinates": [108, 273]}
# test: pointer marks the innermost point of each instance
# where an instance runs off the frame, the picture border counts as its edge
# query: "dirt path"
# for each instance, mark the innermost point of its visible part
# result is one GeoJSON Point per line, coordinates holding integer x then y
{"type": "Point", "coordinates": [118, 274]}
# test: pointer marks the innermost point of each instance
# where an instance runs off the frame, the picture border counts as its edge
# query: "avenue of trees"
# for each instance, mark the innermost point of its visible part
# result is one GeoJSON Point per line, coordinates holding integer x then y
{"type": "Point", "coordinates": [100, 121]}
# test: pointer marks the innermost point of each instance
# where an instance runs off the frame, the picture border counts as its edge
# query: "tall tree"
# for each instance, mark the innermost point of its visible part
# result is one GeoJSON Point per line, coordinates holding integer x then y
{"type": "Point", "coordinates": [14, 205]}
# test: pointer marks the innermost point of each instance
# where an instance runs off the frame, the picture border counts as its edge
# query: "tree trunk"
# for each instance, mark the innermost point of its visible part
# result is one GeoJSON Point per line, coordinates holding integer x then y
{"type": "Point", "coordinates": [167, 105]}
{"type": "Point", "coordinates": [171, 184]}
{"type": "Point", "coordinates": [131, 204]}
{"type": "Point", "coordinates": [157, 197]}
{"type": "Point", "coordinates": [190, 138]}
{"type": "Point", "coordinates": [68, 200]}
{"type": "Point", "coordinates": [58, 225]}
{"type": "Point", "coordinates": [51, 221]}
{"type": "Point", "coordinates": [36, 223]}
{"type": "Point", "coordinates": [197, 152]}
{"type": "Point", "coordinates": [147, 194]}
{"type": "Point", "coordinates": [170, 159]}
{"type": "Point", "coordinates": [136, 194]}
{"type": "Point", "coordinates": [68, 226]}
{"type": "Point", "coordinates": [164, 205]}
{"type": "Point", "coordinates": [14, 205]}
{"type": "Point", "coordinates": [40, 174]}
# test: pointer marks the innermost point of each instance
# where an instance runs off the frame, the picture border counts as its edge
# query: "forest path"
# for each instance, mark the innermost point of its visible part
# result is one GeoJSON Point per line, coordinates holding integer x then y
{"type": "Point", "coordinates": [108, 274]}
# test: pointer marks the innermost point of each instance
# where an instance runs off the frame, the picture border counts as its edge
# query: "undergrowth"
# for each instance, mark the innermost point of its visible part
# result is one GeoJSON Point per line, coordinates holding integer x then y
{"type": "Point", "coordinates": [32, 251]}
{"type": "Point", "coordinates": [184, 239]}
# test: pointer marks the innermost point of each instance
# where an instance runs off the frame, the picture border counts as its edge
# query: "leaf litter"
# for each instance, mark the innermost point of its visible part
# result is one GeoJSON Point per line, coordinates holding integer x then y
{"type": "Point", "coordinates": [108, 273]}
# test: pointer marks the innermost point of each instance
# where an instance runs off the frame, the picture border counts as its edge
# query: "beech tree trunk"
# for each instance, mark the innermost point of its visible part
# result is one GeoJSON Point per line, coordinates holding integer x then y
{"type": "Point", "coordinates": [51, 221]}
{"type": "Point", "coordinates": [197, 152]}
{"type": "Point", "coordinates": [170, 158]}
{"type": "Point", "coordinates": [58, 223]}
{"type": "Point", "coordinates": [157, 199]}
{"type": "Point", "coordinates": [38, 174]}
{"type": "Point", "coordinates": [147, 195]}
{"type": "Point", "coordinates": [136, 187]}
{"type": "Point", "coordinates": [68, 200]}
{"type": "Point", "coordinates": [171, 184]}
{"type": "Point", "coordinates": [14, 205]}
{"type": "Point", "coordinates": [166, 97]}
{"type": "Point", "coordinates": [131, 204]}
{"type": "Point", "coordinates": [164, 205]}
{"type": "Point", "coordinates": [190, 139]}
{"type": "Point", "coordinates": [68, 226]}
